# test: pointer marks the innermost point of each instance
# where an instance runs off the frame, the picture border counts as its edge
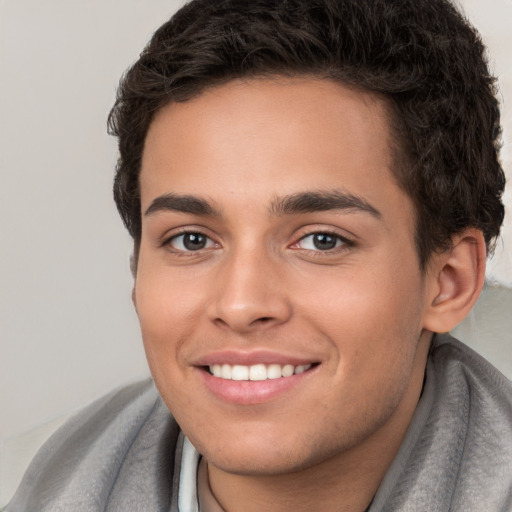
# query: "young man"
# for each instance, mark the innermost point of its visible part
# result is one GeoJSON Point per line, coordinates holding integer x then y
{"type": "Point", "coordinates": [312, 187]}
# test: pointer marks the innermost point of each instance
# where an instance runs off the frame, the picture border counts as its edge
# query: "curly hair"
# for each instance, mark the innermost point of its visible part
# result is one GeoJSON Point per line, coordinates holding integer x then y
{"type": "Point", "coordinates": [422, 56]}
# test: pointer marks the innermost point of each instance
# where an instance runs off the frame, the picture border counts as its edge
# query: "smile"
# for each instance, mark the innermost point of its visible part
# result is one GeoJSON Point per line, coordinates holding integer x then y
{"type": "Point", "coordinates": [257, 372]}
{"type": "Point", "coordinates": [256, 376]}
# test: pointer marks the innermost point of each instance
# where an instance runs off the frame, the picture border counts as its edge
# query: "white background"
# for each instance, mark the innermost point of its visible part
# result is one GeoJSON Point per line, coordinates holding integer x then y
{"type": "Point", "coordinates": [68, 330]}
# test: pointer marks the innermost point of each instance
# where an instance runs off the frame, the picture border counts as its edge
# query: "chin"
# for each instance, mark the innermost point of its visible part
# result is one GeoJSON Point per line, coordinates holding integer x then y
{"type": "Point", "coordinates": [263, 452]}
{"type": "Point", "coordinates": [270, 463]}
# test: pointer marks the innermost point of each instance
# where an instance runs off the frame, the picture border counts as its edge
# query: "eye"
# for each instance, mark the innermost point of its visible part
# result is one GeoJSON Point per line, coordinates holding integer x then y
{"type": "Point", "coordinates": [191, 241]}
{"type": "Point", "coordinates": [321, 242]}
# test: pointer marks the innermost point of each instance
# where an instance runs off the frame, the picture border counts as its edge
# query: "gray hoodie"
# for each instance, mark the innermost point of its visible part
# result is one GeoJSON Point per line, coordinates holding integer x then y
{"type": "Point", "coordinates": [122, 453]}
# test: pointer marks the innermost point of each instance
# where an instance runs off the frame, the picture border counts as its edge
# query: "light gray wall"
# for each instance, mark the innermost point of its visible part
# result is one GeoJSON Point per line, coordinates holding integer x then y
{"type": "Point", "coordinates": [68, 330]}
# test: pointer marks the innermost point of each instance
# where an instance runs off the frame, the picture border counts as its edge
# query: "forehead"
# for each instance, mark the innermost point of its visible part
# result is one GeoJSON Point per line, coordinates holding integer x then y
{"type": "Point", "coordinates": [281, 136]}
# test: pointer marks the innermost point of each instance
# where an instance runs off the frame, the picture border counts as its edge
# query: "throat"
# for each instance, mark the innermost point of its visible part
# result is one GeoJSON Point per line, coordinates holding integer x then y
{"type": "Point", "coordinates": [225, 492]}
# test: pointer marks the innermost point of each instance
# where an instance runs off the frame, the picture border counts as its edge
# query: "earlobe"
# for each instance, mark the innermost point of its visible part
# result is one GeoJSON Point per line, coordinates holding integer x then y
{"type": "Point", "coordinates": [456, 278]}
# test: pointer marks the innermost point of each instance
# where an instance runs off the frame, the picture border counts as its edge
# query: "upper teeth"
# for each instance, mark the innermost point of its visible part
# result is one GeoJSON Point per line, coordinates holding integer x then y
{"type": "Point", "coordinates": [256, 371]}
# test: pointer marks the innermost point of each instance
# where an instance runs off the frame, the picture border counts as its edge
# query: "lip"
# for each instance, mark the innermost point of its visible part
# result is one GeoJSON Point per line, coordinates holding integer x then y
{"type": "Point", "coordinates": [252, 392]}
{"type": "Point", "coordinates": [253, 357]}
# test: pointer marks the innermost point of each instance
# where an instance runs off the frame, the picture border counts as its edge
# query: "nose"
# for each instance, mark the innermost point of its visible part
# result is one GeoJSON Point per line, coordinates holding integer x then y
{"type": "Point", "coordinates": [250, 293]}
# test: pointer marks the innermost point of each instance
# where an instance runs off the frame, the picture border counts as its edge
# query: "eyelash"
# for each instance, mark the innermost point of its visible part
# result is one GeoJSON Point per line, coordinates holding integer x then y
{"type": "Point", "coordinates": [342, 243]}
{"type": "Point", "coordinates": [167, 242]}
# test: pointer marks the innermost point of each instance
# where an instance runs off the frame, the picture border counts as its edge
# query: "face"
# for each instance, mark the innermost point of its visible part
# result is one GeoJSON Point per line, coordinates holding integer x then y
{"type": "Point", "coordinates": [278, 286]}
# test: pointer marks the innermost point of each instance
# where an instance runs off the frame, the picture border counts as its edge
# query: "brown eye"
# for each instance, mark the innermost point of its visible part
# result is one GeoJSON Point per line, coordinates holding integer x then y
{"type": "Point", "coordinates": [190, 242]}
{"type": "Point", "coordinates": [321, 242]}
{"type": "Point", "coordinates": [324, 242]}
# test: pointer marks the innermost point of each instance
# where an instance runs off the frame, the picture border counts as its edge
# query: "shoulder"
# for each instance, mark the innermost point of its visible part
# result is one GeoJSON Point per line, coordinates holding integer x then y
{"type": "Point", "coordinates": [470, 395]}
{"type": "Point", "coordinates": [453, 359]}
{"type": "Point", "coordinates": [117, 451]}
{"type": "Point", "coordinates": [466, 441]}
{"type": "Point", "coordinates": [457, 453]}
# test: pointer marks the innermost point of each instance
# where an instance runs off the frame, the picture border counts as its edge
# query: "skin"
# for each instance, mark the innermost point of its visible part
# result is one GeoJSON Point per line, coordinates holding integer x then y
{"type": "Point", "coordinates": [359, 311]}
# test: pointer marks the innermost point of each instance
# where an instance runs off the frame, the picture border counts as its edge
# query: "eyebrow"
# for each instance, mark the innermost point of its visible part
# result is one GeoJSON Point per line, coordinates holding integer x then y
{"type": "Point", "coordinates": [320, 201]}
{"type": "Point", "coordinates": [183, 204]}
{"type": "Point", "coordinates": [301, 202]}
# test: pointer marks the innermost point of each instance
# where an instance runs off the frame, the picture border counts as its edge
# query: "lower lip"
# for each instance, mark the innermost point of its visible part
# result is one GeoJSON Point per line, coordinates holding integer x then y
{"type": "Point", "coordinates": [252, 392]}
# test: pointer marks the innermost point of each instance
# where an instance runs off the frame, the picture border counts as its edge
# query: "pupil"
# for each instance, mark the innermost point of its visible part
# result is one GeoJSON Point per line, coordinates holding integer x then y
{"type": "Point", "coordinates": [194, 241]}
{"type": "Point", "coordinates": [323, 241]}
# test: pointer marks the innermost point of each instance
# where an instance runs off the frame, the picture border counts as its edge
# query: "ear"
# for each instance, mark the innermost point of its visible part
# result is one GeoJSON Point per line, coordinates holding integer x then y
{"type": "Point", "coordinates": [133, 264]}
{"type": "Point", "coordinates": [134, 297]}
{"type": "Point", "coordinates": [133, 268]}
{"type": "Point", "coordinates": [456, 278]}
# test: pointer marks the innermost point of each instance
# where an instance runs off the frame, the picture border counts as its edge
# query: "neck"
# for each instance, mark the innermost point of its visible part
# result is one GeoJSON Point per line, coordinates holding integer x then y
{"type": "Point", "coordinates": [350, 478]}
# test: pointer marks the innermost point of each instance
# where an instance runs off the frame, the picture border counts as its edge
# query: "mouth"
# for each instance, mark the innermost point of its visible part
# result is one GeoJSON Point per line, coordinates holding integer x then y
{"type": "Point", "coordinates": [257, 383]}
{"type": "Point", "coordinates": [254, 377]}
{"type": "Point", "coordinates": [256, 372]}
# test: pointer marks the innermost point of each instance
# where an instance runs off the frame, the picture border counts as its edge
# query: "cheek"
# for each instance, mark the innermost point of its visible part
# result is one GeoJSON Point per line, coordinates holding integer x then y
{"type": "Point", "coordinates": [374, 336]}
{"type": "Point", "coordinates": [163, 329]}
{"type": "Point", "coordinates": [162, 320]}
{"type": "Point", "coordinates": [373, 320]}
{"type": "Point", "coordinates": [164, 301]}
{"type": "Point", "coordinates": [363, 302]}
